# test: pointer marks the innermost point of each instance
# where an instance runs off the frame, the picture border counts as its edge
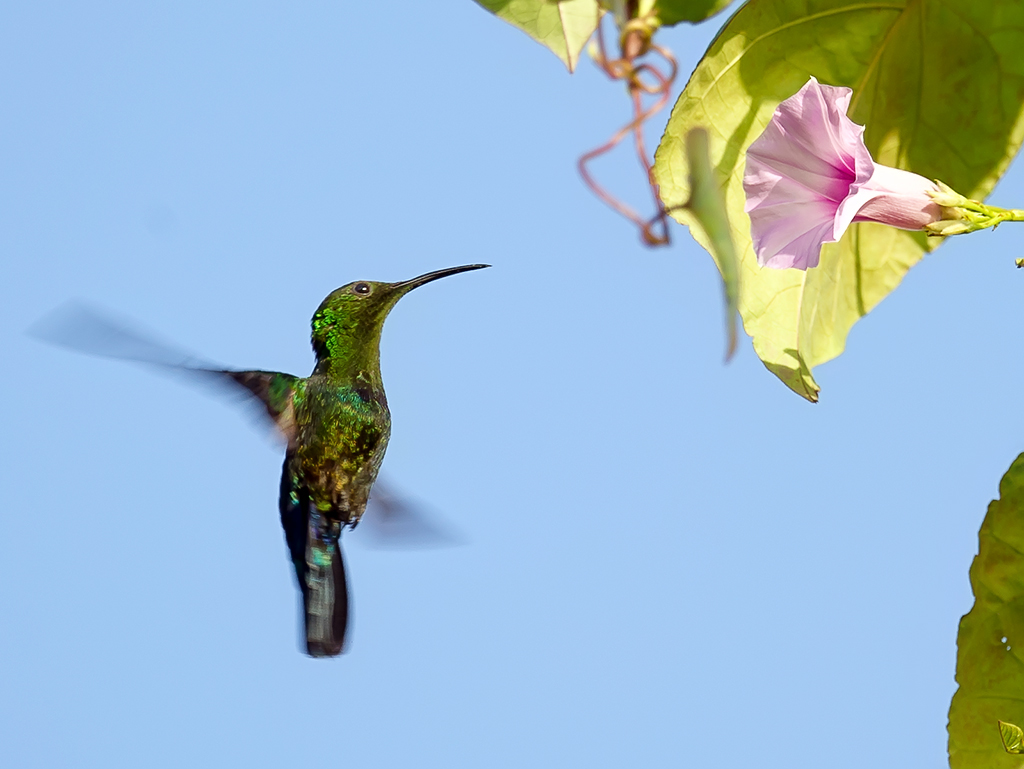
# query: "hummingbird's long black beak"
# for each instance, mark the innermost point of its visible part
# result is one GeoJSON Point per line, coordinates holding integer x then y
{"type": "Point", "coordinates": [409, 285]}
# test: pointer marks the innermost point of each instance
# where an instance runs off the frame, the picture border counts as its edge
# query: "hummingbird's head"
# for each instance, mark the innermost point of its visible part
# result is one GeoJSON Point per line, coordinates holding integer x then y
{"type": "Point", "coordinates": [348, 323]}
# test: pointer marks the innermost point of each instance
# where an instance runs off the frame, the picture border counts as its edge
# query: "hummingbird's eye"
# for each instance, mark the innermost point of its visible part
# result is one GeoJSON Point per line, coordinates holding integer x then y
{"type": "Point", "coordinates": [361, 288]}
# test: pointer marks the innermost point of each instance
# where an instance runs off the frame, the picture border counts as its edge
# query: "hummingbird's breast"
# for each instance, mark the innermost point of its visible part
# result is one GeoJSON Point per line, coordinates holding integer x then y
{"type": "Point", "coordinates": [342, 434]}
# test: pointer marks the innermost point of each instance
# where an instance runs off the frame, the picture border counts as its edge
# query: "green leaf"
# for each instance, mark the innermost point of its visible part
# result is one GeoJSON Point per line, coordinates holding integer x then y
{"type": "Point", "coordinates": [669, 12]}
{"type": "Point", "coordinates": [1012, 737]}
{"type": "Point", "coordinates": [708, 208]}
{"type": "Point", "coordinates": [990, 642]}
{"type": "Point", "coordinates": [939, 85]}
{"type": "Point", "coordinates": [564, 26]}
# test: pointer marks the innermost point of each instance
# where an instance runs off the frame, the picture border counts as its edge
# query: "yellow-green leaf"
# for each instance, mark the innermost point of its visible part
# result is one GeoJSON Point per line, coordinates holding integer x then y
{"type": "Point", "coordinates": [939, 85]}
{"type": "Point", "coordinates": [708, 209]}
{"type": "Point", "coordinates": [669, 12]}
{"type": "Point", "coordinates": [563, 26]}
{"type": "Point", "coordinates": [990, 642]}
{"type": "Point", "coordinates": [1012, 737]}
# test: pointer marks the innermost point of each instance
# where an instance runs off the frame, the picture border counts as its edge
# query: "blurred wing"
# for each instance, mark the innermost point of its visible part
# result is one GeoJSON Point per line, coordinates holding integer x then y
{"type": "Point", "coordinates": [271, 388]}
{"type": "Point", "coordinates": [86, 329]}
{"type": "Point", "coordinates": [394, 522]}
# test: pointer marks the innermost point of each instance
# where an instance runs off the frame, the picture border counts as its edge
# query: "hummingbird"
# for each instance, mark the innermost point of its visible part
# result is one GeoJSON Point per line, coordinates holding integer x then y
{"type": "Point", "coordinates": [336, 425]}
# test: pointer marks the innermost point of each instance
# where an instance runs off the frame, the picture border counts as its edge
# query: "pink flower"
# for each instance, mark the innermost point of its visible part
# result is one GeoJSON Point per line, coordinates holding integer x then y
{"type": "Point", "coordinates": [809, 176]}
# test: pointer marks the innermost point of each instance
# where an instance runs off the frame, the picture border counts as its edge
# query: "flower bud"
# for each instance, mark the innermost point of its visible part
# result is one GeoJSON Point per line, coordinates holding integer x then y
{"type": "Point", "coordinates": [948, 227]}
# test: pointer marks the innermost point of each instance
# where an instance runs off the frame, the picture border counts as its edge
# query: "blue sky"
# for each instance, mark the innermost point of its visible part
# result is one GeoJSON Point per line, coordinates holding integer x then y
{"type": "Point", "coordinates": [668, 561]}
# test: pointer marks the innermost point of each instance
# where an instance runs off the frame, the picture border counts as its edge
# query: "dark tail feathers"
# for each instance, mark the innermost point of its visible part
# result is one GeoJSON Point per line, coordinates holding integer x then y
{"type": "Point", "coordinates": [319, 567]}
